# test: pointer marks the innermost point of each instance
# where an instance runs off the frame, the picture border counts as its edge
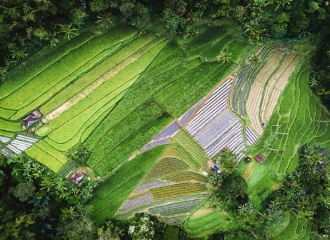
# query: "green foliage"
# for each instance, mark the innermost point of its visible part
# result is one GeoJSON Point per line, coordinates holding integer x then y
{"type": "Point", "coordinates": [171, 233]}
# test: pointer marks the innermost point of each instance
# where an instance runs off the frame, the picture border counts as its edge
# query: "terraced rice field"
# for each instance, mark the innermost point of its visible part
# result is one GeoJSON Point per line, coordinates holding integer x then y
{"type": "Point", "coordinates": [152, 113]}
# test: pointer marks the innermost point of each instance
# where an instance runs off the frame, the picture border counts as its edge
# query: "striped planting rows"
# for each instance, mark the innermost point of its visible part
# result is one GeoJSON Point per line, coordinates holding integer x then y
{"type": "Point", "coordinates": [223, 140]}
{"type": "Point", "coordinates": [169, 131]}
{"type": "Point", "coordinates": [136, 202]}
{"type": "Point", "coordinates": [4, 139]}
{"type": "Point", "coordinates": [176, 208]}
{"type": "Point", "coordinates": [212, 108]}
{"type": "Point", "coordinates": [155, 144]}
{"type": "Point", "coordinates": [149, 185]}
{"type": "Point", "coordinates": [214, 127]}
{"type": "Point", "coordinates": [187, 115]}
{"type": "Point", "coordinates": [18, 145]}
{"type": "Point", "coordinates": [164, 202]}
{"type": "Point", "coordinates": [251, 137]}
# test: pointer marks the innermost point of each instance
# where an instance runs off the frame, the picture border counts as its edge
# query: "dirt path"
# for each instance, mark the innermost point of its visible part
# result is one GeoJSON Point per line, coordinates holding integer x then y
{"type": "Point", "coordinates": [90, 88]}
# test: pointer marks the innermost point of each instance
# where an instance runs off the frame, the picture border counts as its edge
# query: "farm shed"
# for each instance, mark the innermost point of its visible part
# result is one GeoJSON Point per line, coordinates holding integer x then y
{"type": "Point", "coordinates": [32, 118]}
{"type": "Point", "coordinates": [260, 158]}
{"type": "Point", "coordinates": [29, 120]}
{"type": "Point", "coordinates": [77, 177]}
{"type": "Point", "coordinates": [216, 169]}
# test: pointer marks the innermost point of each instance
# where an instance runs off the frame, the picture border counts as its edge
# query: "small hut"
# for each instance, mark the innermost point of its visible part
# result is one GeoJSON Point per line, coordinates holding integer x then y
{"type": "Point", "coordinates": [77, 177]}
{"type": "Point", "coordinates": [32, 118]}
{"type": "Point", "coordinates": [260, 158]}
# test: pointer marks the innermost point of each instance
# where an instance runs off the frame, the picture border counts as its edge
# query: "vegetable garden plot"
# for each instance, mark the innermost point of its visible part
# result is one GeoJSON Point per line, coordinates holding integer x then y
{"type": "Point", "coordinates": [214, 126]}
{"type": "Point", "coordinates": [176, 190]}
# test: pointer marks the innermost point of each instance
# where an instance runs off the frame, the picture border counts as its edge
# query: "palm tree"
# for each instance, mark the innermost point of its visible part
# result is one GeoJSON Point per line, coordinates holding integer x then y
{"type": "Point", "coordinates": [224, 56]}
{"type": "Point", "coordinates": [17, 53]}
{"type": "Point", "coordinates": [68, 30]}
{"type": "Point", "coordinates": [104, 19]}
{"type": "Point", "coordinates": [47, 184]}
{"type": "Point", "coordinates": [68, 213]}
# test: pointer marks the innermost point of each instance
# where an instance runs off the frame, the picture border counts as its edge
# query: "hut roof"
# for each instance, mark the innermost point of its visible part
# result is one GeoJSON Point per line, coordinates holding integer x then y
{"type": "Point", "coordinates": [260, 158]}
{"type": "Point", "coordinates": [29, 120]}
{"type": "Point", "coordinates": [76, 177]}
{"type": "Point", "coordinates": [36, 113]}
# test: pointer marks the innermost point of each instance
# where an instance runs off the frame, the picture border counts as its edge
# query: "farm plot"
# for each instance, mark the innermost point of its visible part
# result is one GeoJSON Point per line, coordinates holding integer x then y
{"type": "Point", "coordinates": [170, 189]}
{"type": "Point", "coordinates": [164, 137]}
{"type": "Point", "coordinates": [297, 120]}
{"type": "Point", "coordinates": [111, 194]}
{"type": "Point", "coordinates": [213, 126]}
{"type": "Point", "coordinates": [17, 145]}
{"type": "Point", "coordinates": [267, 88]}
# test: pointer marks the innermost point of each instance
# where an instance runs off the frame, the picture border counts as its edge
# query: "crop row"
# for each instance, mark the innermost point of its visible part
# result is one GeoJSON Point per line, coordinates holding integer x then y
{"type": "Point", "coordinates": [44, 158]}
{"type": "Point", "coordinates": [64, 128]}
{"type": "Point", "coordinates": [6, 113]}
{"type": "Point", "coordinates": [60, 86]}
{"type": "Point", "coordinates": [9, 126]}
{"type": "Point", "coordinates": [192, 147]}
{"type": "Point", "coordinates": [123, 130]}
{"type": "Point", "coordinates": [51, 151]}
{"type": "Point", "coordinates": [132, 143]}
{"type": "Point", "coordinates": [187, 92]}
{"type": "Point", "coordinates": [185, 177]}
{"type": "Point", "coordinates": [157, 203]}
{"type": "Point", "coordinates": [176, 208]}
{"type": "Point", "coordinates": [166, 166]}
{"type": "Point", "coordinates": [177, 190]}
{"type": "Point", "coordinates": [121, 184]}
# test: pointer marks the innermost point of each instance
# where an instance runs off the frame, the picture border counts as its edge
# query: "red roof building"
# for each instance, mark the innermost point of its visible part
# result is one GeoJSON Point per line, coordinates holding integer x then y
{"type": "Point", "coordinates": [77, 177]}
{"type": "Point", "coordinates": [260, 158]}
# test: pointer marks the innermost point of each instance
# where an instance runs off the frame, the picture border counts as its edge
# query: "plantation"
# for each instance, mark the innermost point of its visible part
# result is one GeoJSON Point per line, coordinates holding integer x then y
{"type": "Point", "coordinates": [152, 112]}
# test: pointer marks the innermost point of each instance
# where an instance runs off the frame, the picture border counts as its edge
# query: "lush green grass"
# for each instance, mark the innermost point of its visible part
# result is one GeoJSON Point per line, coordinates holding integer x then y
{"type": "Point", "coordinates": [136, 96]}
{"type": "Point", "coordinates": [67, 81]}
{"type": "Point", "coordinates": [193, 152]}
{"type": "Point", "coordinates": [97, 72]}
{"type": "Point", "coordinates": [50, 150]}
{"type": "Point", "coordinates": [114, 190]}
{"type": "Point", "coordinates": [6, 134]}
{"type": "Point", "coordinates": [122, 130]}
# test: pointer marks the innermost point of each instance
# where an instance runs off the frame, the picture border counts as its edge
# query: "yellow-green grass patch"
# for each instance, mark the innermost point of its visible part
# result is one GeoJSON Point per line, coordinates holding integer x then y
{"type": "Point", "coordinates": [46, 159]}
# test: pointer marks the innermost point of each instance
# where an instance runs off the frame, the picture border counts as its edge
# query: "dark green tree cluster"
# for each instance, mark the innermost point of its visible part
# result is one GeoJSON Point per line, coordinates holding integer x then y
{"type": "Point", "coordinates": [230, 186]}
{"type": "Point", "coordinates": [25, 24]}
{"type": "Point", "coordinates": [320, 78]}
{"type": "Point", "coordinates": [35, 203]}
